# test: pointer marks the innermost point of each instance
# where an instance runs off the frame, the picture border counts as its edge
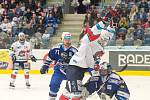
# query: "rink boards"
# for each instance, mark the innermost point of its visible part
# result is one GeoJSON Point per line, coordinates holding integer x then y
{"type": "Point", "coordinates": [137, 58]}
{"type": "Point", "coordinates": [124, 73]}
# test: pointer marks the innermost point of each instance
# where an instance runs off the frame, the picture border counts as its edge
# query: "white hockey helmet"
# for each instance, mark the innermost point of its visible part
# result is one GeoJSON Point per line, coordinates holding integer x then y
{"type": "Point", "coordinates": [105, 68]}
{"type": "Point", "coordinates": [66, 39]}
{"type": "Point", "coordinates": [21, 37]}
{"type": "Point", "coordinates": [66, 36]}
{"type": "Point", "coordinates": [96, 29]}
{"type": "Point", "coordinates": [21, 34]}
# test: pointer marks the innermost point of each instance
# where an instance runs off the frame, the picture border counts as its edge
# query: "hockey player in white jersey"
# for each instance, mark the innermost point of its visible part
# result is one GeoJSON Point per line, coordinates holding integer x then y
{"type": "Point", "coordinates": [84, 59]}
{"type": "Point", "coordinates": [20, 54]}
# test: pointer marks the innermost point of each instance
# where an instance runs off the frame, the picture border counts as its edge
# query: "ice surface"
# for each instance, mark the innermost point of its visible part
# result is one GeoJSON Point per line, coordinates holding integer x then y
{"type": "Point", "coordinates": [139, 87]}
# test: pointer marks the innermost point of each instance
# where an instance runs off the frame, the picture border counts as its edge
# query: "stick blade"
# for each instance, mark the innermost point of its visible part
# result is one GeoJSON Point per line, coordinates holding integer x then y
{"type": "Point", "coordinates": [120, 69]}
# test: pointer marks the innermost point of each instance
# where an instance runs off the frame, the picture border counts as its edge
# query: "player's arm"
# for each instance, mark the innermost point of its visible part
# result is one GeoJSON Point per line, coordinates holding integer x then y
{"type": "Point", "coordinates": [45, 67]}
{"type": "Point", "coordinates": [33, 58]}
{"type": "Point", "coordinates": [12, 52]}
{"type": "Point", "coordinates": [122, 92]}
{"type": "Point", "coordinates": [90, 87]}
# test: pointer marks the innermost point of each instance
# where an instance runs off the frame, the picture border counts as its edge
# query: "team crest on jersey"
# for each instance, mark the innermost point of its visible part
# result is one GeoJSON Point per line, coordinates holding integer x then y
{"type": "Point", "coordinates": [122, 86]}
{"type": "Point", "coordinates": [109, 87]}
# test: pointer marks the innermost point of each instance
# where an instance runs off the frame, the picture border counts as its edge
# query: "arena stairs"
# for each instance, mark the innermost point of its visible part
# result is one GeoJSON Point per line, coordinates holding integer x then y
{"type": "Point", "coordinates": [72, 23]}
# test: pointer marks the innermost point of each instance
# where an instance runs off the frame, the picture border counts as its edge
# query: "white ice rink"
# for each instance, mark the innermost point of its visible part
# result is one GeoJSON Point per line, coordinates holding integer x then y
{"type": "Point", "coordinates": [139, 87]}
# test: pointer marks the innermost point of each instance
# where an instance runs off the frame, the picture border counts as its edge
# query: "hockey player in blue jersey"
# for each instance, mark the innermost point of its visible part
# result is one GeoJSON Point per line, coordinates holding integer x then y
{"type": "Point", "coordinates": [61, 55]}
{"type": "Point", "coordinates": [108, 85]}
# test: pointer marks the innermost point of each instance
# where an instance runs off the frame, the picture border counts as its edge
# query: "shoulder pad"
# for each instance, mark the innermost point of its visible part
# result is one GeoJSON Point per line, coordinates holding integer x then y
{"type": "Point", "coordinates": [115, 76]}
{"type": "Point", "coordinates": [27, 43]}
{"type": "Point", "coordinates": [57, 45]}
{"type": "Point", "coordinates": [73, 48]}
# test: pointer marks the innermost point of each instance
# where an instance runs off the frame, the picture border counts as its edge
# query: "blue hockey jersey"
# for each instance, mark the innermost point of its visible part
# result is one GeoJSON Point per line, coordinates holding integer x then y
{"type": "Point", "coordinates": [113, 85]}
{"type": "Point", "coordinates": [60, 54]}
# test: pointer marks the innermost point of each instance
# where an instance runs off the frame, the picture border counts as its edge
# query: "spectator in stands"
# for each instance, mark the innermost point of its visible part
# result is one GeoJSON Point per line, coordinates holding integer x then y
{"type": "Point", "coordinates": [88, 19]}
{"type": "Point", "coordinates": [53, 21]}
{"type": "Point", "coordinates": [45, 39]}
{"type": "Point", "coordinates": [6, 25]}
{"type": "Point", "coordinates": [138, 33]}
{"type": "Point", "coordinates": [50, 30]}
{"type": "Point", "coordinates": [57, 13]}
{"type": "Point", "coordinates": [138, 42]}
{"type": "Point", "coordinates": [15, 24]}
{"type": "Point", "coordinates": [28, 14]}
{"type": "Point", "coordinates": [33, 42]}
{"type": "Point", "coordinates": [81, 8]}
{"type": "Point", "coordinates": [120, 41]}
{"type": "Point", "coordinates": [38, 36]}
{"type": "Point", "coordinates": [123, 22]}
{"type": "Point", "coordinates": [129, 37]}
{"type": "Point", "coordinates": [2, 44]}
{"type": "Point", "coordinates": [144, 5]}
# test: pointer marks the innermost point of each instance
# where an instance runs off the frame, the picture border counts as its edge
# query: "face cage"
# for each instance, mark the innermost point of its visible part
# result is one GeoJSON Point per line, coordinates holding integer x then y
{"type": "Point", "coordinates": [105, 72]}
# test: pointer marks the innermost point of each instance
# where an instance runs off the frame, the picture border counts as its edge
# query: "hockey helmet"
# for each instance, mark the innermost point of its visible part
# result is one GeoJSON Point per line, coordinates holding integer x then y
{"type": "Point", "coordinates": [66, 39]}
{"type": "Point", "coordinates": [105, 68]}
{"type": "Point", "coordinates": [66, 36]}
{"type": "Point", "coordinates": [96, 29]}
{"type": "Point", "coordinates": [21, 34]}
{"type": "Point", "coordinates": [21, 37]}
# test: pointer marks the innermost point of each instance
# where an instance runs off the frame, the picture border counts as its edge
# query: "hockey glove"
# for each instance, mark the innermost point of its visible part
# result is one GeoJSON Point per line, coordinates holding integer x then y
{"type": "Point", "coordinates": [59, 62]}
{"type": "Point", "coordinates": [13, 57]}
{"type": "Point", "coordinates": [44, 69]}
{"type": "Point", "coordinates": [65, 57]}
{"type": "Point", "coordinates": [33, 59]}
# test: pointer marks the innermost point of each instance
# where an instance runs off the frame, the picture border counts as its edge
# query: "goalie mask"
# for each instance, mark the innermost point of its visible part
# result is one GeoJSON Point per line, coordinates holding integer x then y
{"type": "Point", "coordinates": [105, 69]}
{"type": "Point", "coordinates": [66, 39]}
{"type": "Point", "coordinates": [21, 37]}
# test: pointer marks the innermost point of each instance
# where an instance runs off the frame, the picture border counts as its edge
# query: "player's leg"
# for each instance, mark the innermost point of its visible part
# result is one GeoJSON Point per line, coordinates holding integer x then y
{"type": "Point", "coordinates": [14, 73]}
{"type": "Point", "coordinates": [66, 95]}
{"type": "Point", "coordinates": [26, 67]}
{"type": "Point", "coordinates": [13, 78]}
{"type": "Point", "coordinates": [55, 83]}
{"type": "Point", "coordinates": [74, 76]}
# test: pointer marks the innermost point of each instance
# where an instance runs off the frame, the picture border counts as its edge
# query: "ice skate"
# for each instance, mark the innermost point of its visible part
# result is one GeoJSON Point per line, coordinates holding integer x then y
{"type": "Point", "coordinates": [12, 85]}
{"type": "Point", "coordinates": [28, 85]}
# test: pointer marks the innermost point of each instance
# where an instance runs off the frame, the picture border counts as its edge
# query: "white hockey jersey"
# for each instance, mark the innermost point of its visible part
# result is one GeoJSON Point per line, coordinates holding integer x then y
{"type": "Point", "coordinates": [22, 51]}
{"type": "Point", "coordinates": [85, 56]}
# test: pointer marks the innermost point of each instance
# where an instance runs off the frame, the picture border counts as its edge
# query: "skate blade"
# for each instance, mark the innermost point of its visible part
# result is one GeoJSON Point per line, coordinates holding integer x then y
{"type": "Point", "coordinates": [11, 87]}
{"type": "Point", "coordinates": [28, 87]}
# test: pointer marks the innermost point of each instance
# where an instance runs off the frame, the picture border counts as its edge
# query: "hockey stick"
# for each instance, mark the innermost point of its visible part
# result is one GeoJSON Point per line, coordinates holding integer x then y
{"type": "Point", "coordinates": [28, 59]}
{"type": "Point", "coordinates": [120, 69]}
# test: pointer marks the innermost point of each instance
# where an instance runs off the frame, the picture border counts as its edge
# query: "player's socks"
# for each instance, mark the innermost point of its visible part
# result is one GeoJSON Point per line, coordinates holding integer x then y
{"type": "Point", "coordinates": [52, 98]}
{"type": "Point", "coordinates": [62, 97]}
{"type": "Point", "coordinates": [27, 80]}
{"type": "Point", "coordinates": [75, 99]}
{"type": "Point", "coordinates": [12, 80]}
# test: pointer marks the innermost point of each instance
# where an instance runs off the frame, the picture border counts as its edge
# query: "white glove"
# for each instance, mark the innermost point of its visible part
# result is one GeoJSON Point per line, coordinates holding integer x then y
{"type": "Point", "coordinates": [84, 93]}
{"type": "Point", "coordinates": [104, 96]}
